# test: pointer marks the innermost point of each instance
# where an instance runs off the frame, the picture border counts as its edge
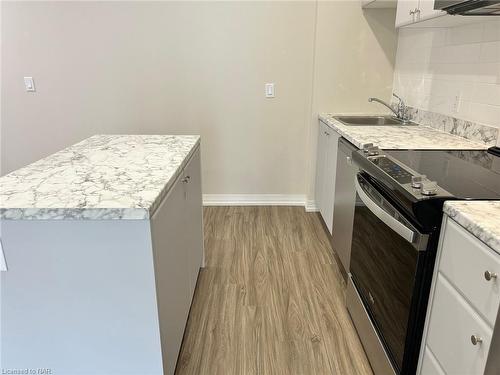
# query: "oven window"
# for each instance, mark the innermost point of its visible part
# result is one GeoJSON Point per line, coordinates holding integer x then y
{"type": "Point", "coordinates": [383, 267]}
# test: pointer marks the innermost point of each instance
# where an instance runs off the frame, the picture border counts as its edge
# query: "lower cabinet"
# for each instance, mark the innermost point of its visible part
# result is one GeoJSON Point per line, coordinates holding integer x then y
{"type": "Point", "coordinates": [177, 239]}
{"type": "Point", "coordinates": [430, 365]}
{"type": "Point", "coordinates": [193, 213]}
{"type": "Point", "coordinates": [326, 164]}
{"type": "Point", "coordinates": [452, 324]}
{"type": "Point", "coordinates": [463, 305]}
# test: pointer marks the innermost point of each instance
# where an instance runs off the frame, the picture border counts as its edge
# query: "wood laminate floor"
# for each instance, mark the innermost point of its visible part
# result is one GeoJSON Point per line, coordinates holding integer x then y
{"type": "Point", "coordinates": [270, 300]}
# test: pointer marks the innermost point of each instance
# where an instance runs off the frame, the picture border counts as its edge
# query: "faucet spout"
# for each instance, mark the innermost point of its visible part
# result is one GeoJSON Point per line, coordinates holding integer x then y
{"type": "Point", "coordinates": [400, 113]}
{"type": "Point", "coordinates": [384, 104]}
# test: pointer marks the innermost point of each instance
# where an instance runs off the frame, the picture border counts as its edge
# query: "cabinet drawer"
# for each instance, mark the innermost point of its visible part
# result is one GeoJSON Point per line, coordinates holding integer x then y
{"type": "Point", "coordinates": [452, 323]}
{"type": "Point", "coordinates": [464, 261]}
{"type": "Point", "coordinates": [430, 365]}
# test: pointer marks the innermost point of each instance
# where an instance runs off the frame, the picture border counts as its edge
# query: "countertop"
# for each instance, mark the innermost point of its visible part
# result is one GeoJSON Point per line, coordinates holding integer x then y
{"type": "Point", "coordinates": [103, 177]}
{"type": "Point", "coordinates": [401, 137]}
{"type": "Point", "coordinates": [480, 218]}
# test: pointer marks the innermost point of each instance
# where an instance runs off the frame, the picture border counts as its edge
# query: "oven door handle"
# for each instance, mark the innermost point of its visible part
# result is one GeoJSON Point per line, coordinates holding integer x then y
{"type": "Point", "coordinates": [405, 232]}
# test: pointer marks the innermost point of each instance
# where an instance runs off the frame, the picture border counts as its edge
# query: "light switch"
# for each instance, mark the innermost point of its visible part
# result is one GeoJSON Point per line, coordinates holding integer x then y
{"type": "Point", "coordinates": [269, 90]}
{"type": "Point", "coordinates": [29, 84]}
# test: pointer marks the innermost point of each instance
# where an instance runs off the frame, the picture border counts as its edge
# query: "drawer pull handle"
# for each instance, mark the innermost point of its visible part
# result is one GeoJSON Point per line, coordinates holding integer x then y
{"type": "Point", "coordinates": [476, 340]}
{"type": "Point", "coordinates": [489, 275]}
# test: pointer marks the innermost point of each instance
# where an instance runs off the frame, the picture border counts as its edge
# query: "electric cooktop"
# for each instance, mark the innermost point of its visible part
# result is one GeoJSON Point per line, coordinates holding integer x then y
{"type": "Point", "coordinates": [463, 174]}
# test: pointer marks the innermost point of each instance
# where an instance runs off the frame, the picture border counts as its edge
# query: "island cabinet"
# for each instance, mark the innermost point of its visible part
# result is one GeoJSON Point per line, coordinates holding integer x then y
{"type": "Point", "coordinates": [98, 290]}
{"type": "Point", "coordinates": [176, 230]}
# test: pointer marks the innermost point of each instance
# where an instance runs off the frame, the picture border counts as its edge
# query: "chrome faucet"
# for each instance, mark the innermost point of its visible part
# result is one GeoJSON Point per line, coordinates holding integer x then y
{"type": "Point", "coordinates": [401, 113]}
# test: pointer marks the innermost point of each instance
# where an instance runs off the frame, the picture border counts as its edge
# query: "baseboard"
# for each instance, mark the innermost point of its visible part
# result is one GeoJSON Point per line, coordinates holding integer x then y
{"type": "Point", "coordinates": [311, 206]}
{"type": "Point", "coordinates": [254, 200]}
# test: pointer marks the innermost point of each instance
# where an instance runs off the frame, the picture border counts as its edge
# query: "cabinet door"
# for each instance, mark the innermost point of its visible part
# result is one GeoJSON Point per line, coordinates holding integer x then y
{"type": "Point", "coordinates": [464, 260]}
{"type": "Point", "coordinates": [193, 214]}
{"type": "Point", "coordinates": [426, 10]}
{"type": "Point", "coordinates": [169, 235]}
{"type": "Point", "coordinates": [452, 323]}
{"type": "Point", "coordinates": [430, 365]}
{"type": "Point", "coordinates": [330, 167]}
{"type": "Point", "coordinates": [320, 164]}
{"type": "Point", "coordinates": [405, 12]}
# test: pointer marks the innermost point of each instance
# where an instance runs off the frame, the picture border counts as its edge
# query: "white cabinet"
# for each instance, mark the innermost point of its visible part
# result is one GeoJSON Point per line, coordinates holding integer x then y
{"type": "Point", "coordinates": [172, 273]}
{"type": "Point", "coordinates": [452, 323]}
{"type": "Point", "coordinates": [320, 164]}
{"type": "Point", "coordinates": [464, 261]}
{"type": "Point", "coordinates": [101, 297]}
{"type": "Point", "coordinates": [413, 11]}
{"type": "Point", "coordinates": [176, 230]}
{"type": "Point", "coordinates": [193, 218]}
{"type": "Point", "coordinates": [325, 172]}
{"type": "Point", "coordinates": [426, 10]}
{"type": "Point", "coordinates": [405, 12]}
{"type": "Point", "coordinates": [463, 305]}
{"type": "Point", "coordinates": [378, 4]}
{"type": "Point", "coordinates": [430, 365]}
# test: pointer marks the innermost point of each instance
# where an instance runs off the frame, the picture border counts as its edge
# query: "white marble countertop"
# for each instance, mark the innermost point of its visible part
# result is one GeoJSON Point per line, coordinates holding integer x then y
{"type": "Point", "coordinates": [103, 177]}
{"type": "Point", "coordinates": [481, 218]}
{"type": "Point", "coordinates": [401, 137]}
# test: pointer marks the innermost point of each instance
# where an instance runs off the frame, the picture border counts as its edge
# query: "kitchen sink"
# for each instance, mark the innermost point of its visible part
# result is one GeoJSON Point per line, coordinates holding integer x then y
{"type": "Point", "coordinates": [372, 121]}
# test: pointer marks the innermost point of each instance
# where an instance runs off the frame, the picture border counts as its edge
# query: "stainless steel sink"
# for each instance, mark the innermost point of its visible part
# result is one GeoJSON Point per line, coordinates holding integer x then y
{"type": "Point", "coordinates": [372, 121]}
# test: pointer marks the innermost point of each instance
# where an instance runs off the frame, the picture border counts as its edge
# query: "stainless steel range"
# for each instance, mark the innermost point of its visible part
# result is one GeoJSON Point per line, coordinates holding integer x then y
{"type": "Point", "coordinates": [397, 219]}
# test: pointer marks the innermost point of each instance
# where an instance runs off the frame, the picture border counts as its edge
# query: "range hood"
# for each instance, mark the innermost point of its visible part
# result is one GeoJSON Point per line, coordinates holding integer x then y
{"type": "Point", "coordinates": [469, 7]}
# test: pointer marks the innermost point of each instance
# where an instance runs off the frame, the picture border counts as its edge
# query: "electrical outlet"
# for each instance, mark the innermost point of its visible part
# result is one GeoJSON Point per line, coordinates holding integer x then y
{"type": "Point", "coordinates": [29, 84]}
{"type": "Point", "coordinates": [270, 90]}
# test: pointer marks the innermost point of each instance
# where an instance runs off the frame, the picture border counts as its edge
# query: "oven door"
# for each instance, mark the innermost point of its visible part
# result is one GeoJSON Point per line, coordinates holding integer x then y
{"type": "Point", "coordinates": [385, 260]}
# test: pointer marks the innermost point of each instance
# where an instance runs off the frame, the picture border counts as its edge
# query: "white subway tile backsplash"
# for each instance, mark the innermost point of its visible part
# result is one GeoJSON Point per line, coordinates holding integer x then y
{"type": "Point", "coordinates": [449, 89]}
{"type": "Point", "coordinates": [484, 113]}
{"type": "Point", "coordinates": [452, 54]}
{"type": "Point", "coordinates": [422, 38]}
{"type": "Point", "coordinates": [486, 94]}
{"type": "Point", "coordinates": [490, 52]}
{"type": "Point", "coordinates": [466, 34]}
{"type": "Point", "coordinates": [488, 72]}
{"type": "Point", "coordinates": [463, 110]}
{"type": "Point", "coordinates": [453, 71]}
{"type": "Point", "coordinates": [491, 31]}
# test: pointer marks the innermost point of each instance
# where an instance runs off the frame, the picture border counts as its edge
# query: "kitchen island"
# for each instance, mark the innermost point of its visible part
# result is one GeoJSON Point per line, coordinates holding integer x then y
{"type": "Point", "coordinates": [101, 247]}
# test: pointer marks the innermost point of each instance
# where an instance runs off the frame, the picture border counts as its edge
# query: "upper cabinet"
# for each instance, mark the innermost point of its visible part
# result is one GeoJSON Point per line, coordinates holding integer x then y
{"type": "Point", "coordinates": [426, 10]}
{"type": "Point", "coordinates": [405, 12]}
{"type": "Point", "coordinates": [369, 4]}
{"type": "Point", "coordinates": [413, 11]}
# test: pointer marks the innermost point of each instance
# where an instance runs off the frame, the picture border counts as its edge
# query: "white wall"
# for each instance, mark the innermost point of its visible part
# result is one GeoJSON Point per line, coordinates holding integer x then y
{"type": "Point", "coordinates": [435, 66]}
{"type": "Point", "coordinates": [354, 60]}
{"type": "Point", "coordinates": [191, 67]}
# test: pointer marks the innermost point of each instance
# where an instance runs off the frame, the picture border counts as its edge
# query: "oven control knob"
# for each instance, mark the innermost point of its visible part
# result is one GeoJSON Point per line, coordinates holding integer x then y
{"type": "Point", "coordinates": [429, 188]}
{"type": "Point", "coordinates": [366, 147]}
{"type": "Point", "coordinates": [373, 151]}
{"type": "Point", "coordinates": [416, 181]}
